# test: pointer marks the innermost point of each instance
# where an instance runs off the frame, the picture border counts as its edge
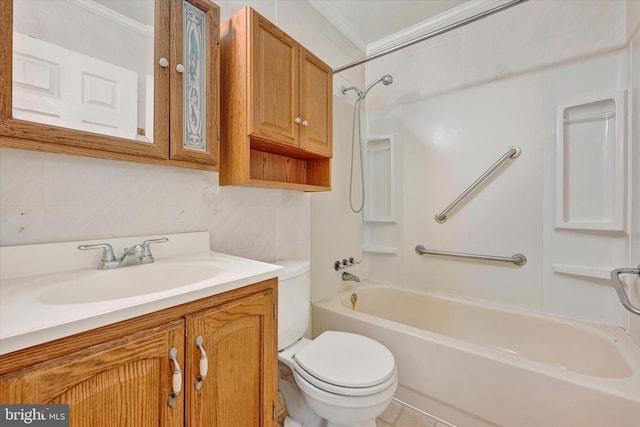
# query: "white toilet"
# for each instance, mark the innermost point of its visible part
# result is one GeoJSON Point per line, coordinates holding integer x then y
{"type": "Point", "coordinates": [346, 379]}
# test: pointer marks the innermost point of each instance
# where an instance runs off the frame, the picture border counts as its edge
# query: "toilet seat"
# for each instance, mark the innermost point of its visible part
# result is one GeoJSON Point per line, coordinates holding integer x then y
{"type": "Point", "coordinates": [346, 364]}
{"type": "Point", "coordinates": [344, 391]}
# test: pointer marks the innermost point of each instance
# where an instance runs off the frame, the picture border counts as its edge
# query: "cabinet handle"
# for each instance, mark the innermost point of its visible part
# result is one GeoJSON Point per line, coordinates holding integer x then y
{"type": "Point", "coordinates": [177, 377]}
{"type": "Point", "coordinates": [163, 62]}
{"type": "Point", "coordinates": [305, 123]}
{"type": "Point", "coordinates": [204, 363]}
{"type": "Point", "coordinates": [180, 68]}
{"type": "Point", "coordinates": [297, 120]}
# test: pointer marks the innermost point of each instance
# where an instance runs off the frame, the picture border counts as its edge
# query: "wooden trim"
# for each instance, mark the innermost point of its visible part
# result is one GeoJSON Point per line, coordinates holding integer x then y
{"type": "Point", "coordinates": [27, 135]}
{"type": "Point", "coordinates": [284, 150]}
{"type": "Point", "coordinates": [24, 144]}
{"type": "Point", "coordinates": [32, 355]}
{"type": "Point", "coordinates": [234, 144]}
{"type": "Point", "coordinates": [212, 23]}
{"type": "Point", "coordinates": [55, 135]}
{"type": "Point", "coordinates": [161, 77]}
{"type": "Point", "coordinates": [6, 63]}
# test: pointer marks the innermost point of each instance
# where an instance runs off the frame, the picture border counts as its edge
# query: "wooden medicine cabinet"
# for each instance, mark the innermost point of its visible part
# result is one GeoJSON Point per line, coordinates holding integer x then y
{"type": "Point", "coordinates": [276, 108]}
{"type": "Point", "coordinates": [133, 81]}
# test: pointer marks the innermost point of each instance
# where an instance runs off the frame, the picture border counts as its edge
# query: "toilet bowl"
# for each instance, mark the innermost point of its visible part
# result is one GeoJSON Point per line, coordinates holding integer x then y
{"type": "Point", "coordinates": [346, 379]}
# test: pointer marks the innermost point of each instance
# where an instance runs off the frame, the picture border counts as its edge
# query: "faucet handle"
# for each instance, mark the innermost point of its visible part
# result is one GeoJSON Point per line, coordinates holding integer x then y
{"type": "Point", "coordinates": [107, 254]}
{"type": "Point", "coordinates": [147, 249]}
{"type": "Point", "coordinates": [108, 258]}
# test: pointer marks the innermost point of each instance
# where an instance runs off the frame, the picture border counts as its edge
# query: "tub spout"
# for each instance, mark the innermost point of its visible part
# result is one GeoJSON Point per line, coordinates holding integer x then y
{"type": "Point", "coordinates": [347, 277]}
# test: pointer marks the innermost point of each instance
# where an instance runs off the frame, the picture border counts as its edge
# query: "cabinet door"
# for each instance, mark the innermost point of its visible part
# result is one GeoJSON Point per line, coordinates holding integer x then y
{"type": "Point", "coordinates": [316, 96]}
{"type": "Point", "coordinates": [68, 86]}
{"type": "Point", "coordinates": [195, 87]}
{"type": "Point", "coordinates": [273, 78]}
{"type": "Point", "coordinates": [240, 388]}
{"type": "Point", "coordinates": [124, 382]}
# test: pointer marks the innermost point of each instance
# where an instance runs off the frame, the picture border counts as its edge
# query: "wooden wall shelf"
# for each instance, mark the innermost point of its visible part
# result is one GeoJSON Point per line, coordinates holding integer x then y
{"type": "Point", "coordinates": [276, 122]}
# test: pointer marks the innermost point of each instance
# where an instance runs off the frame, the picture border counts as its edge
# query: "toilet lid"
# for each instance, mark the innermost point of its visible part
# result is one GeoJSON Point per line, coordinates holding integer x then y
{"type": "Point", "coordinates": [347, 360]}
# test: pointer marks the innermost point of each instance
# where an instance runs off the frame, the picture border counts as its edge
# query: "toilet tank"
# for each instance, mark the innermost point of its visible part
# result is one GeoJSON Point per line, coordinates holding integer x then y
{"type": "Point", "coordinates": [294, 301]}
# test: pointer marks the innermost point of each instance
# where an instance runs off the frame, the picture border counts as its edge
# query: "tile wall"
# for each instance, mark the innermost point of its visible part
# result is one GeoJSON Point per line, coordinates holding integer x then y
{"type": "Point", "coordinates": [634, 10]}
{"type": "Point", "coordinates": [458, 102]}
{"type": "Point", "coordinates": [50, 198]}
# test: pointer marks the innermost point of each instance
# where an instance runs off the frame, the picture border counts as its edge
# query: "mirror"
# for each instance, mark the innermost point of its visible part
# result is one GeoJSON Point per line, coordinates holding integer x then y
{"type": "Point", "coordinates": [85, 65]}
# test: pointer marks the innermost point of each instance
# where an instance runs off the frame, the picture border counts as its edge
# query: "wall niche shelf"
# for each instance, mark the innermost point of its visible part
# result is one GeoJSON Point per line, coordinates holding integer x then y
{"type": "Point", "coordinates": [380, 249]}
{"type": "Point", "coordinates": [590, 163]}
{"type": "Point", "coordinates": [380, 180]}
{"type": "Point", "coordinates": [583, 271]}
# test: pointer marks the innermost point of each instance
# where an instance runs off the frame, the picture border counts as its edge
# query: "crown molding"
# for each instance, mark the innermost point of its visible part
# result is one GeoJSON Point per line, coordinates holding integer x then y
{"type": "Point", "coordinates": [342, 24]}
{"type": "Point", "coordinates": [113, 16]}
{"type": "Point", "coordinates": [452, 16]}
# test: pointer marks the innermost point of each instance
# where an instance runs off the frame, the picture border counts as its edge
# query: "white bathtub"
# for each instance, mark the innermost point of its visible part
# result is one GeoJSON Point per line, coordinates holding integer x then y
{"type": "Point", "coordinates": [476, 364]}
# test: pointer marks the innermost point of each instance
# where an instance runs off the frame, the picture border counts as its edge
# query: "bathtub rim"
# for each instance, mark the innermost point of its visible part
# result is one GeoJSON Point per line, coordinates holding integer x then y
{"type": "Point", "coordinates": [623, 387]}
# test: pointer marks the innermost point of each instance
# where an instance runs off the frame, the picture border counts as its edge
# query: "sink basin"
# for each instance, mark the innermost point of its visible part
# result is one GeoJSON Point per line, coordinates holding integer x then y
{"type": "Point", "coordinates": [50, 291]}
{"type": "Point", "coordinates": [104, 285]}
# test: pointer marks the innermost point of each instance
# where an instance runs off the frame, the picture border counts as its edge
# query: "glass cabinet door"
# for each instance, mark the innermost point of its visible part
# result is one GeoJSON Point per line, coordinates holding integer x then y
{"type": "Point", "coordinates": [194, 86]}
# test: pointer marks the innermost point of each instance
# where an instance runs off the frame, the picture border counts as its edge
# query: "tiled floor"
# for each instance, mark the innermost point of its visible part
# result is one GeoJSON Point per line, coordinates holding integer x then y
{"type": "Point", "coordinates": [400, 415]}
{"type": "Point", "coordinates": [397, 414]}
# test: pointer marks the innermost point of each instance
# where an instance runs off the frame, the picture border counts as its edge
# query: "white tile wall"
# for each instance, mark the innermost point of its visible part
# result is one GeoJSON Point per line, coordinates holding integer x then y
{"type": "Point", "coordinates": [634, 7]}
{"type": "Point", "coordinates": [449, 141]}
{"type": "Point", "coordinates": [467, 96]}
{"type": "Point", "coordinates": [48, 198]}
{"type": "Point", "coordinates": [45, 197]}
{"type": "Point", "coordinates": [336, 232]}
{"type": "Point", "coordinates": [520, 39]}
{"type": "Point", "coordinates": [52, 198]}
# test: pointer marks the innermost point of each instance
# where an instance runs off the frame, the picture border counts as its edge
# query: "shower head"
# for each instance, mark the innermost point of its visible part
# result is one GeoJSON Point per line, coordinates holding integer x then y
{"type": "Point", "coordinates": [386, 80]}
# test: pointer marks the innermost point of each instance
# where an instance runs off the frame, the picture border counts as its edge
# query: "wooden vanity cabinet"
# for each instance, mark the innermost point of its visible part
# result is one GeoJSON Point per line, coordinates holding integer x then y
{"type": "Point", "coordinates": [239, 389]}
{"type": "Point", "coordinates": [176, 123]}
{"type": "Point", "coordinates": [124, 381]}
{"type": "Point", "coordinates": [276, 108]}
{"type": "Point", "coordinates": [121, 375]}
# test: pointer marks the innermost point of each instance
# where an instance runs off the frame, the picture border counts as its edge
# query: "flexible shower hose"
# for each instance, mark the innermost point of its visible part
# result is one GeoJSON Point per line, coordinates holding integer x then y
{"type": "Point", "coordinates": [356, 122]}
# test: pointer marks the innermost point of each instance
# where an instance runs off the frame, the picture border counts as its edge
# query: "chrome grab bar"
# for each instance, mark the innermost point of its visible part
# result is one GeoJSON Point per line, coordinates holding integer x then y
{"type": "Point", "coordinates": [517, 259]}
{"type": "Point", "coordinates": [622, 295]}
{"type": "Point", "coordinates": [512, 153]}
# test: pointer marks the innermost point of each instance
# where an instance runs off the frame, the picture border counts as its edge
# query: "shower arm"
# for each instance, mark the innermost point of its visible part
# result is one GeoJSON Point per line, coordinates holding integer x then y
{"type": "Point", "coordinates": [353, 88]}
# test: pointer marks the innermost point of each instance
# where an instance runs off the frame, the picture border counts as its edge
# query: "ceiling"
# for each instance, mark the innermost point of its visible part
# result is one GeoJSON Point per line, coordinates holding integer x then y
{"type": "Point", "coordinates": [367, 21]}
{"type": "Point", "coordinates": [138, 10]}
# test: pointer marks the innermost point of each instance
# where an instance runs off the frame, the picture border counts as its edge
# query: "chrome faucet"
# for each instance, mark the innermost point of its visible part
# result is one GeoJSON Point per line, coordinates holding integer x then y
{"type": "Point", "coordinates": [348, 277]}
{"type": "Point", "coordinates": [142, 254]}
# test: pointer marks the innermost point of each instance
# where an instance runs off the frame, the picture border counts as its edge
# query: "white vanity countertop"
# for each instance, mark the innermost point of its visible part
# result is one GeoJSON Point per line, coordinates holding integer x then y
{"type": "Point", "coordinates": [38, 302]}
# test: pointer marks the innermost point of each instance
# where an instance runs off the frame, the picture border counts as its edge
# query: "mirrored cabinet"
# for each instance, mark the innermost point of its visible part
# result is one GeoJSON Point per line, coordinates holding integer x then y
{"type": "Point", "coordinates": [130, 80]}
